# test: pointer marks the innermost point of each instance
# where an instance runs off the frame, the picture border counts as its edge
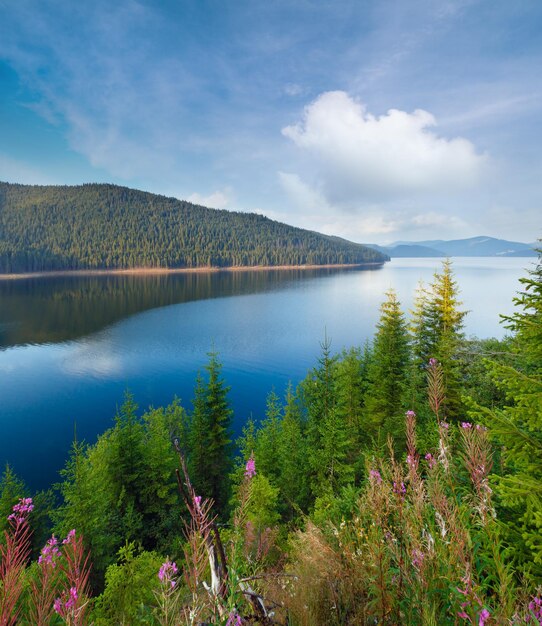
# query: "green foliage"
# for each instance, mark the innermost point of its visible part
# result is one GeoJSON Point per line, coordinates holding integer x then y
{"type": "Point", "coordinates": [210, 436]}
{"type": "Point", "coordinates": [437, 333]}
{"type": "Point", "coordinates": [105, 226]}
{"type": "Point", "coordinates": [518, 428]}
{"type": "Point", "coordinates": [387, 375]}
{"type": "Point", "coordinates": [130, 586]}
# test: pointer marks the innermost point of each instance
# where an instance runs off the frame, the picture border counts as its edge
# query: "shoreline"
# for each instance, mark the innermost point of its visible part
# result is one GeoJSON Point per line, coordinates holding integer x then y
{"type": "Point", "coordinates": [155, 271]}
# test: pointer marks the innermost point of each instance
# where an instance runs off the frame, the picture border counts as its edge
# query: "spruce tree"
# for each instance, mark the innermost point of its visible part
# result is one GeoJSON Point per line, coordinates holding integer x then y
{"type": "Point", "coordinates": [385, 396]}
{"type": "Point", "coordinates": [518, 428]}
{"type": "Point", "coordinates": [437, 333]}
{"type": "Point", "coordinates": [210, 435]}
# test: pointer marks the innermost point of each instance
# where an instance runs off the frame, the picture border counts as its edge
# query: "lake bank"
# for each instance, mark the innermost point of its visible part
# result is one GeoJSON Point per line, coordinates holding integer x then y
{"type": "Point", "coordinates": [150, 271]}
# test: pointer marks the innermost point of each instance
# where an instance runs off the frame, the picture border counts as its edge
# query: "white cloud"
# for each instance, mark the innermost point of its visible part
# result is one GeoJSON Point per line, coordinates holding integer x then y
{"type": "Point", "coordinates": [360, 156]}
{"type": "Point", "coordinates": [216, 200]}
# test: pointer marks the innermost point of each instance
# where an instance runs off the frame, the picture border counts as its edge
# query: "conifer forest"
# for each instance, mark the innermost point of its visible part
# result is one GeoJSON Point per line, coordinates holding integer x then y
{"type": "Point", "coordinates": [399, 482]}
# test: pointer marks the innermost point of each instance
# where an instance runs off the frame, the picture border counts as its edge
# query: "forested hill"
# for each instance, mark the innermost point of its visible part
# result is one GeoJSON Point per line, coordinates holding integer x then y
{"type": "Point", "coordinates": [100, 226]}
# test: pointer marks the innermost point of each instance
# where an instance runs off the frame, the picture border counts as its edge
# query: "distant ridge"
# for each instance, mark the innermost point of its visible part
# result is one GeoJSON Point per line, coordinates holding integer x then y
{"type": "Point", "coordinates": [102, 226]}
{"type": "Point", "coordinates": [474, 246]}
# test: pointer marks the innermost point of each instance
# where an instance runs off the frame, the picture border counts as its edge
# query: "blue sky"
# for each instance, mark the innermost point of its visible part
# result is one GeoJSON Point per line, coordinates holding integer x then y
{"type": "Point", "coordinates": [373, 120]}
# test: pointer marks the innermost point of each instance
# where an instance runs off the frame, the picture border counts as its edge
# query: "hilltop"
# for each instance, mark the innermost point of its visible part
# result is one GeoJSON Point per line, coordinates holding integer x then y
{"type": "Point", "coordinates": [102, 226]}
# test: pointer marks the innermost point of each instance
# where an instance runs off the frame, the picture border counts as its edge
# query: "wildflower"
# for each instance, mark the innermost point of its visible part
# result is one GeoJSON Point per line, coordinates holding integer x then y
{"type": "Point", "coordinates": [445, 425]}
{"type": "Point", "coordinates": [535, 606]}
{"type": "Point", "coordinates": [410, 460]}
{"type": "Point", "coordinates": [374, 475]}
{"type": "Point", "coordinates": [70, 537]}
{"type": "Point", "coordinates": [49, 552]}
{"type": "Point", "coordinates": [431, 461]}
{"type": "Point", "coordinates": [433, 362]}
{"type": "Point", "coordinates": [417, 558]}
{"type": "Point", "coordinates": [484, 615]}
{"type": "Point", "coordinates": [62, 606]}
{"type": "Point", "coordinates": [70, 603]}
{"type": "Point", "coordinates": [166, 573]}
{"type": "Point", "coordinates": [410, 414]}
{"type": "Point", "coordinates": [197, 502]}
{"type": "Point", "coordinates": [20, 510]}
{"type": "Point", "coordinates": [480, 427]}
{"type": "Point", "coordinates": [250, 469]}
{"type": "Point", "coordinates": [234, 619]}
{"type": "Point", "coordinates": [399, 489]}
{"type": "Point", "coordinates": [466, 425]}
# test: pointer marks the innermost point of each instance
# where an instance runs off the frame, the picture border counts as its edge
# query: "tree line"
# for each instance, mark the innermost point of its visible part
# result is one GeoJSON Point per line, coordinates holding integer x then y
{"type": "Point", "coordinates": [99, 226]}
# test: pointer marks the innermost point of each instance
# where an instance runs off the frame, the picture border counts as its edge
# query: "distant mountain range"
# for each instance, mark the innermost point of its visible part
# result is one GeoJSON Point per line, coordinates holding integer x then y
{"type": "Point", "coordinates": [474, 246]}
{"type": "Point", "coordinates": [44, 228]}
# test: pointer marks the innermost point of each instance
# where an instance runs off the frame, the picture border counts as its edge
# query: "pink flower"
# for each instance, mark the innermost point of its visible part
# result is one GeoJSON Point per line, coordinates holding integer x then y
{"type": "Point", "coordinates": [445, 425]}
{"type": "Point", "coordinates": [70, 537]}
{"type": "Point", "coordinates": [484, 616]}
{"type": "Point", "coordinates": [433, 362]}
{"type": "Point", "coordinates": [250, 469]}
{"type": "Point", "coordinates": [62, 606]}
{"type": "Point", "coordinates": [410, 414]}
{"type": "Point", "coordinates": [21, 510]}
{"type": "Point", "coordinates": [374, 475]}
{"type": "Point", "coordinates": [431, 461]}
{"type": "Point", "coordinates": [197, 502]}
{"type": "Point", "coordinates": [167, 572]}
{"type": "Point", "coordinates": [234, 619]}
{"type": "Point", "coordinates": [49, 552]}
{"type": "Point", "coordinates": [466, 425]}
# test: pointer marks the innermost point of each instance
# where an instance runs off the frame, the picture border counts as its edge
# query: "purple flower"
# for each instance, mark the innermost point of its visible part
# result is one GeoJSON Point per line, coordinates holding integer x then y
{"type": "Point", "coordinates": [410, 460]}
{"type": "Point", "coordinates": [399, 489]}
{"type": "Point", "coordinates": [166, 573]}
{"type": "Point", "coordinates": [250, 469]}
{"type": "Point", "coordinates": [433, 362]}
{"type": "Point", "coordinates": [197, 502]}
{"type": "Point", "coordinates": [466, 425]}
{"type": "Point", "coordinates": [417, 558]}
{"type": "Point", "coordinates": [445, 425]}
{"type": "Point", "coordinates": [374, 475]}
{"type": "Point", "coordinates": [20, 510]}
{"type": "Point", "coordinates": [70, 537]}
{"type": "Point", "coordinates": [72, 600]}
{"type": "Point", "coordinates": [62, 607]}
{"type": "Point", "coordinates": [234, 619]}
{"type": "Point", "coordinates": [431, 461]}
{"type": "Point", "coordinates": [484, 616]}
{"type": "Point", "coordinates": [410, 414]}
{"type": "Point", "coordinates": [49, 552]}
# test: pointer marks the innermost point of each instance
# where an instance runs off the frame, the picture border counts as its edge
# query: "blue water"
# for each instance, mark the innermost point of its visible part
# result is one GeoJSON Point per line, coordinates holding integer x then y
{"type": "Point", "coordinates": [70, 347]}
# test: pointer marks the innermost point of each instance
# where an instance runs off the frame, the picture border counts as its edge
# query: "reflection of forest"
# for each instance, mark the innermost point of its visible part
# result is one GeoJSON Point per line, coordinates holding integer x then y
{"type": "Point", "coordinates": [42, 310]}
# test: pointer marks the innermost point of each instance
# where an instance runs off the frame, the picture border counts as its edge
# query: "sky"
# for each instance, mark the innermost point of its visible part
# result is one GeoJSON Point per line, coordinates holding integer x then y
{"type": "Point", "coordinates": [373, 120]}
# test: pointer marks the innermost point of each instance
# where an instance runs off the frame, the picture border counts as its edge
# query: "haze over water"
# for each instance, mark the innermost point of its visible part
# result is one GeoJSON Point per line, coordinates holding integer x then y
{"type": "Point", "coordinates": [71, 346]}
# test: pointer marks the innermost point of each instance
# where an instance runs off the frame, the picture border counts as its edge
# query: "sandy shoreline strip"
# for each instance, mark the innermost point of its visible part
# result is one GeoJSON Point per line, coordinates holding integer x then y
{"type": "Point", "coordinates": [151, 271]}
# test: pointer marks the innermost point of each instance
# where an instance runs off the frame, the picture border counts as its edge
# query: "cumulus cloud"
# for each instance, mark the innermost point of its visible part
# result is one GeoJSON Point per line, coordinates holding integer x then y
{"type": "Point", "coordinates": [361, 156]}
{"type": "Point", "coordinates": [215, 200]}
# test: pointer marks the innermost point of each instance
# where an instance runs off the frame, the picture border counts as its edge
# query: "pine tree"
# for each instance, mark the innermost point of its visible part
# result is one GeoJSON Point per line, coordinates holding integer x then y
{"type": "Point", "coordinates": [518, 428]}
{"type": "Point", "coordinates": [437, 333]}
{"type": "Point", "coordinates": [210, 436]}
{"type": "Point", "coordinates": [385, 396]}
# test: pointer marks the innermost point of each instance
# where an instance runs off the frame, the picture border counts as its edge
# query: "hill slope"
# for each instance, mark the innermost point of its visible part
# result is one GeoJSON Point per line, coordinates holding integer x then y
{"type": "Point", "coordinates": [474, 246]}
{"type": "Point", "coordinates": [99, 226]}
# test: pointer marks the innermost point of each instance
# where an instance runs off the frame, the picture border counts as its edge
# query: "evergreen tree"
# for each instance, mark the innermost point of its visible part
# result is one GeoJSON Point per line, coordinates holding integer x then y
{"type": "Point", "coordinates": [267, 441]}
{"type": "Point", "coordinates": [437, 333]}
{"type": "Point", "coordinates": [518, 428]}
{"type": "Point", "coordinates": [385, 396]}
{"type": "Point", "coordinates": [210, 435]}
{"type": "Point", "coordinates": [11, 489]}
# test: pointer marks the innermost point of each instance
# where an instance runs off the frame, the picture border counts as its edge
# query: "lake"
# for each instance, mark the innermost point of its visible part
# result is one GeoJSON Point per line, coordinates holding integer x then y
{"type": "Point", "coordinates": [71, 346]}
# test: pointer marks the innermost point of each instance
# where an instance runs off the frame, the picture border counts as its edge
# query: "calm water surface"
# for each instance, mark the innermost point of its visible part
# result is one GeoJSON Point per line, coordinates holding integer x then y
{"type": "Point", "coordinates": [69, 347]}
